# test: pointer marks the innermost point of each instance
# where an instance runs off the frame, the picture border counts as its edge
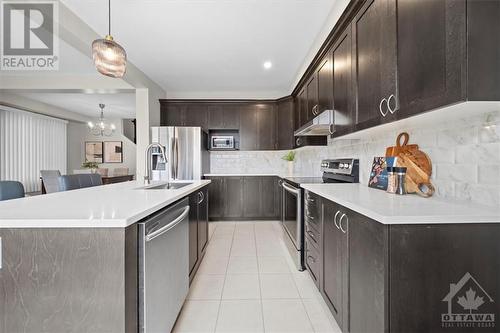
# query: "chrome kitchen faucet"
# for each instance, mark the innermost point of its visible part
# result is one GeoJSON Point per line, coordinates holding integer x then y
{"type": "Point", "coordinates": [147, 173]}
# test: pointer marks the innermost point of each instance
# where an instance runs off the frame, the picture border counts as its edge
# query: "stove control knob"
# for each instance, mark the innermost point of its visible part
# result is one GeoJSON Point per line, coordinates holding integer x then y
{"type": "Point", "coordinates": [347, 166]}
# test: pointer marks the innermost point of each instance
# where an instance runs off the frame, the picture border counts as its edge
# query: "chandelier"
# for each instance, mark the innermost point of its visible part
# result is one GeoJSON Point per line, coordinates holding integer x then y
{"type": "Point", "coordinates": [101, 127]}
{"type": "Point", "coordinates": [110, 58]}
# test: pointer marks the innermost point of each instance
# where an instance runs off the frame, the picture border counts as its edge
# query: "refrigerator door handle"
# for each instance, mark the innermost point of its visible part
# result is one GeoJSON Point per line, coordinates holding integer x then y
{"type": "Point", "coordinates": [176, 152]}
{"type": "Point", "coordinates": [172, 159]}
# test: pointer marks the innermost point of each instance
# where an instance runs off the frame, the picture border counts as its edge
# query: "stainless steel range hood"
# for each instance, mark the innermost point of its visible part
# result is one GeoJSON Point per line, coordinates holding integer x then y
{"type": "Point", "coordinates": [321, 125]}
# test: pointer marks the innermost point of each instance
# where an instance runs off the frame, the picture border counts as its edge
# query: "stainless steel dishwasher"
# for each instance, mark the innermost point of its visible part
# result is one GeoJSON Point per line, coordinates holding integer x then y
{"type": "Point", "coordinates": [163, 267]}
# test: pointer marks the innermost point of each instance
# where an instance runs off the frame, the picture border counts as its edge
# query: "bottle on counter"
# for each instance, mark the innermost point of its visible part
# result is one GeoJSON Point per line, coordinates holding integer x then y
{"type": "Point", "coordinates": [391, 180]}
{"type": "Point", "coordinates": [400, 174]}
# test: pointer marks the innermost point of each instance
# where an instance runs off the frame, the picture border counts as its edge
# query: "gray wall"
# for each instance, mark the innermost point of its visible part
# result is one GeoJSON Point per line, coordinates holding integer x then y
{"type": "Point", "coordinates": [78, 133]}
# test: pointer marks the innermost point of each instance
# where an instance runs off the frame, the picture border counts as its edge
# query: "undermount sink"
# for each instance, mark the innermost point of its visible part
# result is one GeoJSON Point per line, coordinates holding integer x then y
{"type": "Point", "coordinates": [167, 186]}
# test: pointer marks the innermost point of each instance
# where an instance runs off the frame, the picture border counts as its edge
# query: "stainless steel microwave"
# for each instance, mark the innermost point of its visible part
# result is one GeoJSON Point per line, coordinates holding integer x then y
{"type": "Point", "coordinates": [222, 142]}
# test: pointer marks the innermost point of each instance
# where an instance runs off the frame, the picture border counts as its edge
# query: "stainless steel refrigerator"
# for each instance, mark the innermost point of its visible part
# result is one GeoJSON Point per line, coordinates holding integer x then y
{"type": "Point", "coordinates": [187, 153]}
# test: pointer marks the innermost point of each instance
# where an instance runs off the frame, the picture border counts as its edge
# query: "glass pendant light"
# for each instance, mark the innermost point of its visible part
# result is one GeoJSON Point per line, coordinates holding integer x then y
{"type": "Point", "coordinates": [110, 58]}
{"type": "Point", "coordinates": [101, 127]}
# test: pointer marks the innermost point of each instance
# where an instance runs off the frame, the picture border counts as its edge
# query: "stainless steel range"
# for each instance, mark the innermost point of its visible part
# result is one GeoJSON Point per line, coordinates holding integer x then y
{"type": "Point", "coordinates": [345, 170]}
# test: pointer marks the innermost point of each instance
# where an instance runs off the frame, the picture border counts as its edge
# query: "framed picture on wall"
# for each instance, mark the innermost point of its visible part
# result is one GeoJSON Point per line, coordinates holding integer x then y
{"type": "Point", "coordinates": [113, 152]}
{"type": "Point", "coordinates": [93, 151]}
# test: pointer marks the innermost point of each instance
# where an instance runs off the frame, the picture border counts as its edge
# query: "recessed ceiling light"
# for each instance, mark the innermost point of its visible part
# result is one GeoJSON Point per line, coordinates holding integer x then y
{"type": "Point", "coordinates": [268, 65]}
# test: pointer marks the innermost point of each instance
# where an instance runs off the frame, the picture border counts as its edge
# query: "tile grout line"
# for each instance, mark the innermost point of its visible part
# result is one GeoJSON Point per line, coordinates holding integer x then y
{"type": "Point", "coordinates": [224, 283]}
{"type": "Point", "coordinates": [298, 292]}
{"type": "Point", "coordinates": [260, 284]}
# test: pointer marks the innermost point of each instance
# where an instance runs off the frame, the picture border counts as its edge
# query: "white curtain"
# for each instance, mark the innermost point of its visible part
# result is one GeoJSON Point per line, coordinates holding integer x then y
{"type": "Point", "coordinates": [29, 143]}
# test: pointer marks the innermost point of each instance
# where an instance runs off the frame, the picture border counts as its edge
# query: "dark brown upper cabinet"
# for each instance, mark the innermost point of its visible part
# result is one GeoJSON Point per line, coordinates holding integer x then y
{"type": "Point", "coordinates": [483, 48]}
{"type": "Point", "coordinates": [223, 116]}
{"type": "Point", "coordinates": [343, 89]}
{"type": "Point", "coordinates": [302, 106]}
{"type": "Point", "coordinates": [195, 115]}
{"type": "Point", "coordinates": [285, 124]}
{"type": "Point", "coordinates": [312, 98]}
{"type": "Point", "coordinates": [301, 115]}
{"type": "Point", "coordinates": [266, 126]}
{"type": "Point", "coordinates": [172, 114]}
{"type": "Point", "coordinates": [375, 61]}
{"type": "Point", "coordinates": [325, 85]}
{"type": "Point", "coordinates": [431, 54]}
{"type": "Point", "coordinates": [248, 128]}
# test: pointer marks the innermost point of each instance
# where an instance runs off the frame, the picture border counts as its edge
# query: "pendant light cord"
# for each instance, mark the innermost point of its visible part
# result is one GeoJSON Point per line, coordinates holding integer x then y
{"type": "Point", "coordinates": [109, 17]}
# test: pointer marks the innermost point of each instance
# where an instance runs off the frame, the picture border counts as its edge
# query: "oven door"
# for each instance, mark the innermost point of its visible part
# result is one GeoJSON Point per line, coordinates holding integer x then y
{"type": "Point", "coordinates": [292, 214]}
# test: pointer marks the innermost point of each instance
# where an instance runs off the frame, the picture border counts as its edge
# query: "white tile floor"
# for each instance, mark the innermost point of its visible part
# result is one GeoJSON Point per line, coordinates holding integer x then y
{"type": "Point", "coordinates": [248, 283]}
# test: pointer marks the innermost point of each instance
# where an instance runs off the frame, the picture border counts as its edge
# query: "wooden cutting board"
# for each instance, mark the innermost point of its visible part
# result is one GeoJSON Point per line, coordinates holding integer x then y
{"type": "Point", "coordinates": [411, 151]}
{"type": "Point", "coordinates": [417, 179]}
{"type": "Point", "coordinates": [418, 165]}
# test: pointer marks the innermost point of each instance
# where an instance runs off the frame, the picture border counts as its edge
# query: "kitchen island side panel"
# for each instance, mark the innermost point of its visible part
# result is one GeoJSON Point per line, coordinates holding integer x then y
{"type": "Point", "coordinates": [62, 280]}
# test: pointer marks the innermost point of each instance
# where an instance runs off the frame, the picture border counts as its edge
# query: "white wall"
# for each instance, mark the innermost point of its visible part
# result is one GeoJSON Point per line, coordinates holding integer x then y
{"type": "Point", "coordinates": [78, 133]}
{"type": "Point", "coordinates": [465, 152]}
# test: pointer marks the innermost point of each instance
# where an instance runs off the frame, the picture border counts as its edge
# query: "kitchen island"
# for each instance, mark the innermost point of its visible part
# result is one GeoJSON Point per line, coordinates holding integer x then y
{"type": "Point", "coordinates": [388, 263]}
{"type": "Point", "coordinates": [69, 260]}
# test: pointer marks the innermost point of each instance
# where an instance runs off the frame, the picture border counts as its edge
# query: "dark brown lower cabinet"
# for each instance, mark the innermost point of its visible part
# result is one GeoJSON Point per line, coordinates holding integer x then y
{"type": "Point", "coordinates": [443, 268]}
{"type": "Point", "coordinates": [312, 260]}
{"type": "Point", "coordinates": [335, 262]}
{"type": "Point", "coordinates": [203, 221]}
{"type": "Point", "coordinates": [198, 229]}
{"type": "Point", "coordinates": [251, 199]}
{"type": "Point", "coordinates": [244, 198]}
{"type": "Point", "coordinates": [216, 194]}
{"type": "Point", "coordinates": [368, 274]}
{"type": "Point", "coordinates": [419, 278]}
{"type": "Point", "coordinates": [233, 197]}
{"type": "Point", "coordinates": [269, 201]}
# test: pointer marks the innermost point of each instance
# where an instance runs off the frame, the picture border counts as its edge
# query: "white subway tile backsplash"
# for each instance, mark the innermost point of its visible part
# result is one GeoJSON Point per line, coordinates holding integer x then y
{"type": "Point", "coordinates": [465, 155]}
{"type": "Point", "coordinates": [457, 172]}
{"type": "Point", "coordinates": [484, 153]}
{"type": "Point", "coordinates": [489, 174]}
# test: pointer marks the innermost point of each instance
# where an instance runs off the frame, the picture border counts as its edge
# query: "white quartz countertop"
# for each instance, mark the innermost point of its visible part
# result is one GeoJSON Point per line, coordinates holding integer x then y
{"type": "Point", "coordinates": [108, 206]}
{"type": "Point", "coordinates": [404, 209]}
{"type": "Point", "coordinates": [251, 175]}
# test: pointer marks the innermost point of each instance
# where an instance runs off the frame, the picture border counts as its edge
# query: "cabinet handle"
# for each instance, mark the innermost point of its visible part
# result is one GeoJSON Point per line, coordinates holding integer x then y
{"type": "Point", "coordinates": [297, 141]}
{"type": "Point", "coordinates": [380, 107]}
{"type": "Point", "coordinates": [202, 197]}
{"type": "Point", "coordinates": [340, 223]}
{"type": "Point", "coordinates": [315, 110]}
{"type": "Point", "coordinates": [391, 110]}
{"type": "Point", "coordinates": [335, 219]}
{"type": "Point", "coordinates": [280, 182]}
{"type": "Point", "coordinates": [310, 217]}
{"type": "Point", "coordinates": [332, 129]}
{"type": "Point", "coordinates": [312, 259]}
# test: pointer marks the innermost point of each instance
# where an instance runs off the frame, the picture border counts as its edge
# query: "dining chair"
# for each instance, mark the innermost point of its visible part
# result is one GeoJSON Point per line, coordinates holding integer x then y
{"type": "Point", "coordinates": [82, 171]}
{"type": "Point", "coordinates": [120, 171]}
{"type": "Point", "coordinates": [73, 182]}
{"type": "Point", "coordinates": [50, 179]}
{"type": "Point", "coordinates": [10, 189]}
{"type": "Point", "coordinates": [103, 172]}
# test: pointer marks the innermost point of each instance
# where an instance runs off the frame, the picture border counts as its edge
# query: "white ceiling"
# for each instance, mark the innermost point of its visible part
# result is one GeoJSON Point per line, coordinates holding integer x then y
{"type": "Point", "coordinates": [213, 48]}
{"type": "Point", "coordinates": [117, 105]}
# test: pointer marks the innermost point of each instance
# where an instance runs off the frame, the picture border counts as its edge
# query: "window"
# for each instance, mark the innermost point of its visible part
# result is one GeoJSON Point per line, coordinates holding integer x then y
{"type": "Point", "coordinates": [30, 142]}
